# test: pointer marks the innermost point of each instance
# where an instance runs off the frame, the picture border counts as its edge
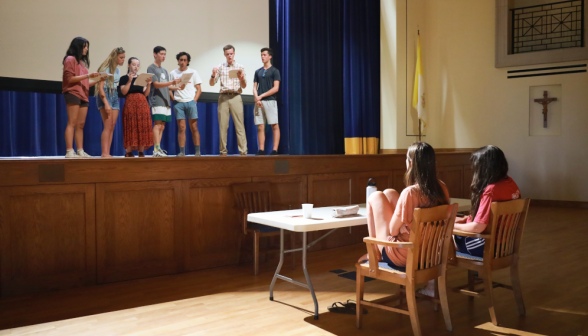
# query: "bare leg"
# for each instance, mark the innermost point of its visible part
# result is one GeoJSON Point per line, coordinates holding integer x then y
{"type": "Point", "coordinates": [72, 118]}
{"type": "Point", "coordinates": [380, 208]}
{"type": "Point", "coordinates": [182, 132]}
{"type": "Point", "coordinates": [114, 119]}
{"type": "Point", "coordinates": [261, 136]}
{"type": "Point", "coordinates": [158, 128]}
{"type": "Point", "coordinates": [80, 123]}
{"type": "Point", "coordinates": [106, 138]}
{"type": "Point", "coordinates": [194, 130]}
{"type": "Point", "coordinates": [276, 131]}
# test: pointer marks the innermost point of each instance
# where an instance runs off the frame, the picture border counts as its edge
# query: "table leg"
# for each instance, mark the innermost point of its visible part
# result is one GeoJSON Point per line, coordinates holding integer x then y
{"type": "Point", "coordinates": [304, 247]}
{"type": "Point", "coordinates": [282, 261]}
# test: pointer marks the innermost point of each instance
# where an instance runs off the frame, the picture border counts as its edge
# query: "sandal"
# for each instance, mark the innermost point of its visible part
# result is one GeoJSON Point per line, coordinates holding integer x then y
{"type": "Point", "coordinates": [129, 154]}
{"type": "Point", "coordinates": [141, 154]}
{"type": "Point", "coordinates": [344, 308]}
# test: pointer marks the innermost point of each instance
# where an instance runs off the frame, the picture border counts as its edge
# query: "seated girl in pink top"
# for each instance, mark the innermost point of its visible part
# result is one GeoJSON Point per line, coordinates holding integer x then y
{"type": "Point", "coordinates": [389, 214]}
{"type": "Point", "coordinates": [490, 184]}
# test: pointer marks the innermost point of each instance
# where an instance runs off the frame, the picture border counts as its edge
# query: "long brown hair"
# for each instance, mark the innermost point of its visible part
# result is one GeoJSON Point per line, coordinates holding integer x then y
{"type": "Point", "coordinates": [489, 166]}
{"type": "Point", "coordinates": [423, 172]}
{"type": "Point", "coordinates": [110, 64]}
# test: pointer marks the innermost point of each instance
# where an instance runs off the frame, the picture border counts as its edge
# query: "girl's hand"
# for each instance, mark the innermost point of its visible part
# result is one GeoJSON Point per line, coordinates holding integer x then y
{"type": "Point", "coordinates": [93, 75]}
{"type": "Point", "coordinates": [149, 80]}
{"type": "Point", "coordinates": [108, 110]}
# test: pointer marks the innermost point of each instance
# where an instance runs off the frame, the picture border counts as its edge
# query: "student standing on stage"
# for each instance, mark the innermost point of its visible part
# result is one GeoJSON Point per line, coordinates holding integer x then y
{"type": "Point", "coordinates": [159, 98]}
{"type": "Point", "coordinates": [185, 98]}
{"type": "Point", "coordinates": [76, 89]}
{"type": "Point", "coordinates": [107, 100]}
{"type": "Point", "coordinates": [266, 83]}
{"type": "Point", "coordinates": [137, 129]}
{"type": "Point", "coordinates": [230, 99]}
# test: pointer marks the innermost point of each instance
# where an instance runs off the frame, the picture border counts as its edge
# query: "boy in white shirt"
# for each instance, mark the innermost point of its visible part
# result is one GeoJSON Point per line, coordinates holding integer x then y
{"type": "Point", "coordinates": [185, 98]}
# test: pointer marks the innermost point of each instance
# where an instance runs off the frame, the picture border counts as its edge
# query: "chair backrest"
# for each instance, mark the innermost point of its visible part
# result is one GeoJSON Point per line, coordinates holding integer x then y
{"type": "Point", "coordinates": [507, 221]}
{"type": "Point", "coordinates": [430, 233]}
{"type": "Point", "coordinates": [252, 197]}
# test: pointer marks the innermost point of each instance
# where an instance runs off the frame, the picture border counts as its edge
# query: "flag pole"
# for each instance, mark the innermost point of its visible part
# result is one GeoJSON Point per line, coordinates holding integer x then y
{"type": "Point", "coordinates": [420, 135]}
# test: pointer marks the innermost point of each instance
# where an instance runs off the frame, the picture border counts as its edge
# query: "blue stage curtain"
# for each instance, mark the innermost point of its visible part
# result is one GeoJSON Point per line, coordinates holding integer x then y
{"type": "Point", "coordinates": [361, 76]}
{"type": "Point", "coordinates": [328, 55]}
{"type": "Point", "coordinates": [33, 124]}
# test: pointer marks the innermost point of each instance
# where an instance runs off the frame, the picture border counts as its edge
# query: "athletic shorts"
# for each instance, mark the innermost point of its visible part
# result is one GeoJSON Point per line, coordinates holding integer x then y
{"type": "Point", "coordinates": [390, 263]}
{"type": "Point", "coordinates": [72, 99]}
{"type": "Point", "coordinates": [268, 112]}
{"type": "Point", "coordinates": [161, 113]}
{"type": "Point", "coordinates": [469, 245]}
{"type": "Point", "coordinates": [112, 99]}
{"type": "Point", "coordinates": [186, 110]}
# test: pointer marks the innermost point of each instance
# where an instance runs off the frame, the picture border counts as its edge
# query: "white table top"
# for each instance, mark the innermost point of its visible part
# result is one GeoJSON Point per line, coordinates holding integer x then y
{"type": "Point", "coordinates": [322, 218]}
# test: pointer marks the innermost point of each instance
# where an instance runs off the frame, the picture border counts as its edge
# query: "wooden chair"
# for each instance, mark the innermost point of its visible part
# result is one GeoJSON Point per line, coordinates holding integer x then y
{"type": "Point", "coordinates": [503, 241]}
{"type": "Point", "coordinates": [251, 198]}
{"type": "Point", "coordinates": [430, 238]}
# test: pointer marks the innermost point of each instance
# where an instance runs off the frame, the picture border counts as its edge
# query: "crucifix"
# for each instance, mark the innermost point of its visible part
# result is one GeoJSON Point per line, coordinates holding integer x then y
{"type": "Point", "coordinates": [545, 101]}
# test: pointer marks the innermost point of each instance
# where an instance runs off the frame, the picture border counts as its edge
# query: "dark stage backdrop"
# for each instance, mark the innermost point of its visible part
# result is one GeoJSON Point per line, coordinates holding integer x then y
{"type": "Point", "coordinates": [33, 124]}
{"type": "Point", "coordinates": [328, 53]}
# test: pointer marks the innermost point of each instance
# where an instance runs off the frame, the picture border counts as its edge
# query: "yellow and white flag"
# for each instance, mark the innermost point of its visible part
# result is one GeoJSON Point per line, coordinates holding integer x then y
{"type": "Point", "coordinates": [418, 95]}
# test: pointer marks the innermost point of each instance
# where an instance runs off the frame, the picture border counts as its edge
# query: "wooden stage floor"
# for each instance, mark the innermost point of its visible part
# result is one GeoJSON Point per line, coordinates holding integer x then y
{"type": "Point", "coordinates": [231, 301]}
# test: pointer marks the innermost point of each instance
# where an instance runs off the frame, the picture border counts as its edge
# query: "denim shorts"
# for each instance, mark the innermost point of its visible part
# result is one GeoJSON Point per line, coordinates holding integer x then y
{"type": "Point", "coordinates": [112, 99]}
{"type": "Point", "coordinates": [186, 110]}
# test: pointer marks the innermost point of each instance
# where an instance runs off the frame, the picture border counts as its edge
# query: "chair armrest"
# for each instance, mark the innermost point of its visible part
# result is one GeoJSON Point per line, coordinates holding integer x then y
{"type": "Point", "coordinates": [369, 240]}
{"type": "Point", "coordinates": [471, 234]}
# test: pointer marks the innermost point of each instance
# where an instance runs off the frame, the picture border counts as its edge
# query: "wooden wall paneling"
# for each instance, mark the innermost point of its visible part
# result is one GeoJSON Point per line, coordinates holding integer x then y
{"type": "Point", "coordinates": [453, 178]}
{"type": "Point", "coordinates": [397, 180]}
{"type": "Point", "coordinates": [214, 226]}
{"type": "Point", "coordinates": [468, 175]}
{"type": "Point", "coordinates": [327, 190]}
{"type": "Point", "coordinates": [47, 238]}
{"type": "Point", "coordinates": [288, 192]}
{"type": "Point", "coordinates": [140, 229]}
{"type": "Point", "coordinates": [360, 184]}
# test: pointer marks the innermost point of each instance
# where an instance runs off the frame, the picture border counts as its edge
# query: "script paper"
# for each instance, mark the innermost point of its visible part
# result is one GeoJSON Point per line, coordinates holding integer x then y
{"type": "Point", "coordinates": [233, 73]}
{"type": "Point", "coordinates": [141, 80]}
{"type": "Point", "coordinates": [186, 78]}
{"type": "Point", "coordinates": [103, 75]}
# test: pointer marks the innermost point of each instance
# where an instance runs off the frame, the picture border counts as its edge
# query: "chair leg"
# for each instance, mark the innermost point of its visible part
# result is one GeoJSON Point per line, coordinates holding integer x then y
{"type": "Point", "coordinates": [358, 297]}
{"type": "Point", "coordinates": [471, 284]}
{"type": "Point", "coordinates": [255, 252]}
{"type": "Point", "coordinates": [292, 246]}
{"type": "Point", "coordinates": [489, 295]}
{"type": "Point", "coordinates": [516, 287]}
{"type": "Point", "coordinates": [412, 309]}
{"type": "Point", "coordinates": [442, 293]}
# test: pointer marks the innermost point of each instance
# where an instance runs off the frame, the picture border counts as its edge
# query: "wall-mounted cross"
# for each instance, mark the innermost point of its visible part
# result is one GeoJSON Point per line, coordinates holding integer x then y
{"type": "Point", "coordinates": [545, 101]}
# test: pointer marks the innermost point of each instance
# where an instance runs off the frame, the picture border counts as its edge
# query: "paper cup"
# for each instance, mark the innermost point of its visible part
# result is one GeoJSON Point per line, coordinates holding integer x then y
{"type": "Point", "coordinates": [307, 210]}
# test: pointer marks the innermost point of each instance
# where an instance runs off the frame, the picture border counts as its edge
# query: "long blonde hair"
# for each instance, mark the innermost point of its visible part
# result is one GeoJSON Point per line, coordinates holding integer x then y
{"type": "Point", "coordinates": [110, 64]}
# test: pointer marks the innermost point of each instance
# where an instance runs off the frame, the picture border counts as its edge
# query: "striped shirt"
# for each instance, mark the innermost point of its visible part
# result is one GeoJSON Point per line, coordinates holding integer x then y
{"type": "Point", "coordinates": [229, 84]}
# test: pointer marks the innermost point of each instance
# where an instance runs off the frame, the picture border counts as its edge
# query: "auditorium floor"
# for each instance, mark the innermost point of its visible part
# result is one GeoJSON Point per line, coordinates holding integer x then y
{"type": "Point", "coordinates": [231, 301]}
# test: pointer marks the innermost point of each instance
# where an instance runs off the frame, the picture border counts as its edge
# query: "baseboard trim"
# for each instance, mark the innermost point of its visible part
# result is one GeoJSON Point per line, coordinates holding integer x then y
{"type": "Point", "coordinates": [437, 150]}
{"type": "Point", "coordinates": [559, 204]}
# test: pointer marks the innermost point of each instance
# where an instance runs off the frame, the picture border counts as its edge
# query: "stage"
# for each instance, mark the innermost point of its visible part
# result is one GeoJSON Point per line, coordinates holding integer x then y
{"type": "Point", "coordinates": [81, 222]}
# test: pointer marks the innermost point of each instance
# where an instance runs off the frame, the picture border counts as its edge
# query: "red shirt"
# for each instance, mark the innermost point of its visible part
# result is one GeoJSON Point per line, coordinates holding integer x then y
{"type": "Point", "coordinates": [503, 190]}
{"type": "Point", "coordinates": [71, 68]}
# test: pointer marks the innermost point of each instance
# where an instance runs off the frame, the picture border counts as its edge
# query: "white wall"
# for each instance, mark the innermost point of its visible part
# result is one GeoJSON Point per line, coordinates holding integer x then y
{"type": "Point", "coordinates": [470, 103]}
{"type": "Point", "coordinates": [34, 35]}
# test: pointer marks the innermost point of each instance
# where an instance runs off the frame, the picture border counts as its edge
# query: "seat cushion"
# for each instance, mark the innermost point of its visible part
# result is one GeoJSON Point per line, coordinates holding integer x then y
{"type": "Point", "coordinates": [468, 256]}
{"type": "Point", "coordinates": [261, 228]}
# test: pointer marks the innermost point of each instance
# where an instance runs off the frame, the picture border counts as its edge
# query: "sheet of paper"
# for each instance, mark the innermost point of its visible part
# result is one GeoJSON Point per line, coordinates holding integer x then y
{"type": "Point", "coordinates": [233, 73]}
{"type": "Point", "coordinates": [103, 75]}
{"type": "Point", "coordinates": [141, 80]}
{"type": "Point", "coordinates": [185, 78]}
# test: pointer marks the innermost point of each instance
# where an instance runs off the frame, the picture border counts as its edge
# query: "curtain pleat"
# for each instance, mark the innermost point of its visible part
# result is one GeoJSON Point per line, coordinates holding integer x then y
{"type": "Point", "coordinates": [33, 124]}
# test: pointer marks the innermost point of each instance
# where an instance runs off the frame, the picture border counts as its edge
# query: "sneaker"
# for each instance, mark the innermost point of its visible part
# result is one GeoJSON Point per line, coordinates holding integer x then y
{"type": "Point", "coordinates": [159, 153]}
{"type": "Point", "coordinates": [260, 152]}
{"type": "Point", "coordinates": [274, 152]}
{"type": "Point", "coordinates": [81, 153]}
{"type": "Point", "coordinates": [71, 154]}
{"type": "Point", "coordinates": [180, 154]}
{"type": "Point", "coordinates": [198, 154]}
{"type": "Point", "coordinates": [129, 154]}
{"type": "Point", "coordinates": [223, 154]}
{"type": "Point", "coordinates": [243, 154]}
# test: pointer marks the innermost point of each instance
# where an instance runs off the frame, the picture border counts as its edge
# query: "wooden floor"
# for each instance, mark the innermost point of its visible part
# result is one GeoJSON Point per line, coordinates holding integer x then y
{"type": "Point", "coordinates": [231, 301]}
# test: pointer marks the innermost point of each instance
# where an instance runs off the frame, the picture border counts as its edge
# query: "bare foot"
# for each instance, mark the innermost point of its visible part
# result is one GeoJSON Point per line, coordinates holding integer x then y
{"type": "Point", "coordinates": [363, 258]}
{"type": "Point", "coordinates": [106, 155]}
